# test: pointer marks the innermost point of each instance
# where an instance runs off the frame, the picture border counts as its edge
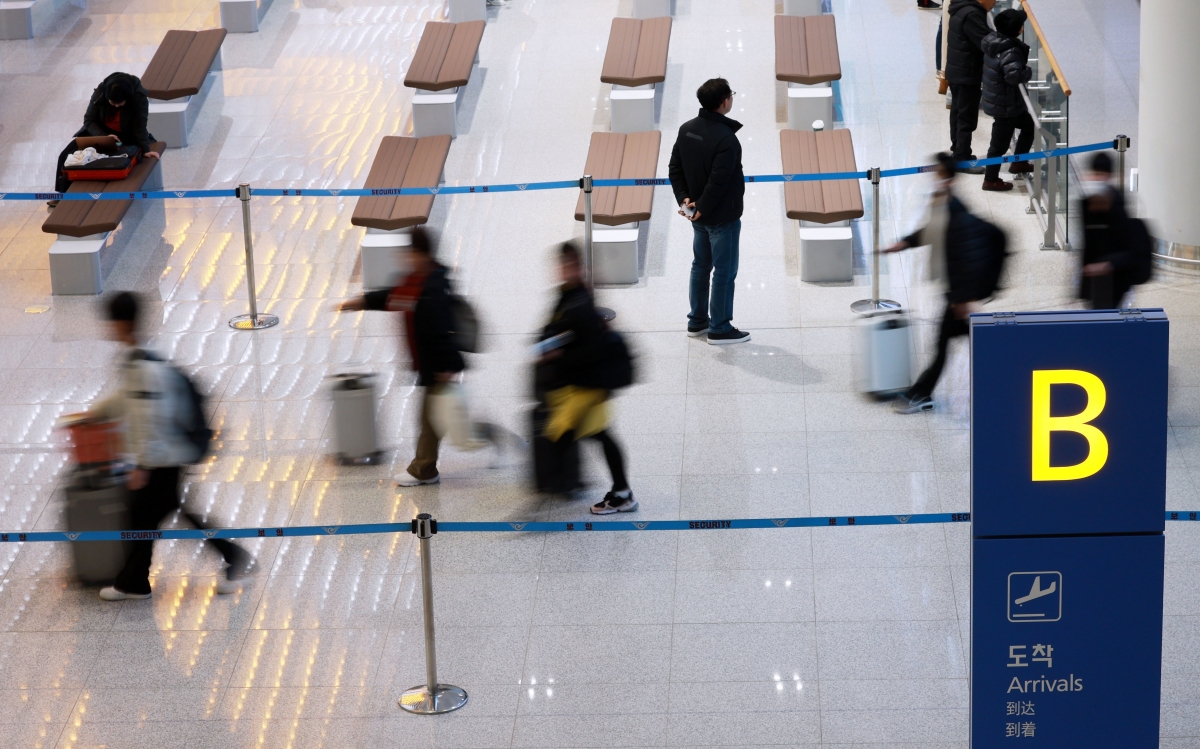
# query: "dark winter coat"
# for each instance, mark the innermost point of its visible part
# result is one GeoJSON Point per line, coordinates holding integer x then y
{"type": "Point", "coordinates": [968, 254]}
{"type": "Point", "coordinates": [135, 115]}
{"type": "Point", "coordinates": [964, 55]}
{"type": "Point", "coordinates": [582, 358]}
{"type": "Point", "coordinates": [1105, 221]}
{"type": "Point", "coordinates": [706, 167]}
{"type": "Point", "coordinates": [432, 329]}
{"type": "Point", "coordinates": [1005, 68]}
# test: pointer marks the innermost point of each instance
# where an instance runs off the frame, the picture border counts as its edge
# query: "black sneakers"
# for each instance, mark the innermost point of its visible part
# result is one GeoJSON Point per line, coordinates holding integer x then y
{"type": "Point", "coordinates": [697, 330]}
{"type": "Point", "coordinates": [613, 504]}
{"type": "Point", "coordinates": [733, 335]}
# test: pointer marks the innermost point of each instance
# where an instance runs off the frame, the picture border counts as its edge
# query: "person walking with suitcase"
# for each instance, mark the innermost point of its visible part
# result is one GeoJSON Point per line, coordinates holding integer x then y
{"type": "Point", "coordinates": [706, 176]}
{"type": "Point", "coordinates": [158, 409]}
{"type": "Point", "coordinates": [1005, 68]}
{"type": "Point", "coordinates": [964, 72]}
{"type": "Point", "coordinates": [577, 379]}
{"type": "Point", "coordinates": [967, 259]}
{"type": "Point", "coordinates": [425, 299]}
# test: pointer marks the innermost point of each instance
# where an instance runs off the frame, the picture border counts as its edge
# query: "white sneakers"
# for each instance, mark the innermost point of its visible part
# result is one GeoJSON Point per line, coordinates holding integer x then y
{"type": "Point", "coordinates": [111, 593]}
{"type": "Point", "coordinates": [407, 479]}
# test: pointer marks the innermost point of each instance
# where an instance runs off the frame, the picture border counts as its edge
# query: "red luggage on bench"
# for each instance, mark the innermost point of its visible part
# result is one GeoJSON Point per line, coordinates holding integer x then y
{"type": "Point", "coordinates": [108, 169]}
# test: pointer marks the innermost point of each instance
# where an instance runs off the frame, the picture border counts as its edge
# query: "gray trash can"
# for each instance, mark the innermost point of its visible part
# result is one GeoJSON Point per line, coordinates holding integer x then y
{"type": "Point", "coordinates": [354, 419]}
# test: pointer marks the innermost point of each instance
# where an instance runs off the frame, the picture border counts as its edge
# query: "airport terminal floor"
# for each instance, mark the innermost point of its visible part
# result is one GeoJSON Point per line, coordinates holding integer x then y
{"type": "Point", "coordinates": [796, 637]}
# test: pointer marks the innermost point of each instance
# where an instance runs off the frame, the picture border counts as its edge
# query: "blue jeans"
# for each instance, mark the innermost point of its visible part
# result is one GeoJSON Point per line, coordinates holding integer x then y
{"type": "Point", "coordinates": [714, 251]}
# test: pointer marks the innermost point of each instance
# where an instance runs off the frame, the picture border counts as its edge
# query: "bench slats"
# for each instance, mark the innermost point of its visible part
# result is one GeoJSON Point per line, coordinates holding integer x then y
{"type": "Point", "coordinates": [424, 170]}
{"type": "Point", "coordinates": [460, 56]}
{"type": "Point", "coordinates": [603, 162]}
{"type": "Point", "coordinates": [431, 51]}
{"type": "Point", "coordinates": [640, 161]}
{"type": "Point", "coordinates": [806, 49]}
{"type": "Point", "coordinates": [163, 66]}
{"type": "Point", "coordinates": [402, 162]}
{"type": "Point", "coordinates": [829, 151]}
{"type": "Point", "coordinates": [637, 51]}
{"type": "Point", "coordinates": [194, 67]}
{"type": "Point", "coordinates": [82, 218]}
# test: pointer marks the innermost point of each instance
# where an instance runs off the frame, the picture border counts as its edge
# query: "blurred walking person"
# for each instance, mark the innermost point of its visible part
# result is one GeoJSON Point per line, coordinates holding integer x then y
{"type": "Point", "coordinates": [1005, 68]}
{"type": "Point", "coordinates": [425, 299]}
{"type": "Point", "coordinates": [966, 259]}
{"type": "Point", "coordinates": [1117, 248]}
{"type": "Point", "coordinates": [577, 377]}
{"type": "Point", "coordinates": [159, 409]}
{"type": "Point", "coordinates": [706, 176]}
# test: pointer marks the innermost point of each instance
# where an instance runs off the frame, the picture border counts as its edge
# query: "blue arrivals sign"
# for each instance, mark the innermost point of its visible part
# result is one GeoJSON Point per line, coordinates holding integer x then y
{"type": "Point", "coordinates": [1068, 477]}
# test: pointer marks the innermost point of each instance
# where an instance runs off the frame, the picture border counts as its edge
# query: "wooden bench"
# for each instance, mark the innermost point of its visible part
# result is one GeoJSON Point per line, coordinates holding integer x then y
{"type": "Point", "coordinates": [620, 210]}
{"type": "Point", "coordinates": [174, 78]}
{"type": "Point", "coordinates": [634, 63]}
{"type": "Point", "coordinates": [826, 254]}
{"type": "Point", "coordinates": [442, 63]}
{"type": "Point", "coordinates": [83, 228]}
{"type": "Point", "coordinates": [399, 162]}
{"type": "Point", "coordinates": [806, 57]}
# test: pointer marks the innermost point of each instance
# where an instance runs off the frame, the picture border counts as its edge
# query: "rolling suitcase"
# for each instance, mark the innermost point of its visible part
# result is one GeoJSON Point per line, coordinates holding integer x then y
{"type": "Point", "coordinates": [884, 353]}
{"type": "Point", "coordinates": [555, 467]}
{"type": "Point", "coordinates": [354, 419]}
{"type": "Point", "coordinates": [97, 501]}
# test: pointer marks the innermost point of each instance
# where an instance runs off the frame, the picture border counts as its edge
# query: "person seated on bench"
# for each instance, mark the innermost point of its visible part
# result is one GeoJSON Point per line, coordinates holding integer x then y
{"type": "Point", "coordinates": [119, 107]}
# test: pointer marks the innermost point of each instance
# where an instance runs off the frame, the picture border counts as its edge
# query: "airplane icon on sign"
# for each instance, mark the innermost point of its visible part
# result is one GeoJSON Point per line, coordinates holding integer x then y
{"type": "Point", "coordinates": [1036, 591]}
{"type": "Point", "coordinates": [1035, 596]}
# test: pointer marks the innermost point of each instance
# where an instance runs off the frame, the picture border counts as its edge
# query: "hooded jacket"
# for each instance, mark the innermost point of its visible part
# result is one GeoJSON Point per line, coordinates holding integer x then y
{"type": "Point", "coordinates": [706, 166]}
{"type": "Point", "coordinates": [429, 324]}
{"type": "Point", "coordinates": [148, 401]}
{"type": "Point", "coordinates": [964, 55]}
{"type": "Point", "coordinates": [135, 115]}
{"type": "Point", "coordinates": [1005, 68]}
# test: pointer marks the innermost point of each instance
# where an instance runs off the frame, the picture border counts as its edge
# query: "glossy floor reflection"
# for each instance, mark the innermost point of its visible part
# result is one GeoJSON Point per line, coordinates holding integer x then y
{"type": "Point", "coordinates": [828, 637]}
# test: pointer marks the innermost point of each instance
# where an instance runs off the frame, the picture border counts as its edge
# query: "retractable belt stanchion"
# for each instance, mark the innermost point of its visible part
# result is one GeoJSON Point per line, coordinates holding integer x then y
{"type": "Point", "coordinates": [874, 304]}
{"type": "Point", "coordinates": [586, 185]}
{"type": "Point", "coordinates": [1121, 143]}
{"type": "Point", "coordinates": [430, 698]}
{"type": "Point", "coordinates": [252, 321]}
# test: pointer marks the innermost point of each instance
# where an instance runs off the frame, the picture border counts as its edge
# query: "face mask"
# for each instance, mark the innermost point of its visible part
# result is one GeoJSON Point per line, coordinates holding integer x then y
{"type": "Point", "coordinates": [1092, 187]}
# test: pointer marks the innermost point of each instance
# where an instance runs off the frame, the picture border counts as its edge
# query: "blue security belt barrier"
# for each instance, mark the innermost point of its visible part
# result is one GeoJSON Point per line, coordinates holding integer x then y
{"type": "Point", "coordinates": [567, 184]}
{"type": "Point", "coordinates": [509, 527]}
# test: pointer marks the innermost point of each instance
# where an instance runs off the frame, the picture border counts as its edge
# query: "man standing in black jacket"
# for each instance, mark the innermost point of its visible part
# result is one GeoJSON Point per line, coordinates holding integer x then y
{"type": "Point", "coordinates": [706, 175]}
{"type": "Point", "coordinates": [964, 72]}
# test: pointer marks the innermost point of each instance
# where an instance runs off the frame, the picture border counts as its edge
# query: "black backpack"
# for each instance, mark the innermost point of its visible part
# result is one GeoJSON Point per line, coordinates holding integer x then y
{"type": "Point", "coordinates": [466, 325]}
{"type": "Point", "coordinates": [618, 367]}
{"type": "Point", "coordinates": [997, 243]}
{"type": "Point", "coordinates": [1141, 244]}
{"type": "Point", "coordinates": [192, 417]}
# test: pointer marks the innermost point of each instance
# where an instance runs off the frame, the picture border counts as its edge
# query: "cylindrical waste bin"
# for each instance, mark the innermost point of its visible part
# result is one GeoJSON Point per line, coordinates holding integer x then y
{"type": "Point", "coordinates": [354, 418]}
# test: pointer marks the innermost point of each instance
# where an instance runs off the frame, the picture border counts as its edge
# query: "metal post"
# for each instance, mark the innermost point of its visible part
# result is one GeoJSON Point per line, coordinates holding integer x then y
{"type": "Point", "coordinates": [1122, 145]}
{"type": "Point", "coordinates": [431, 698]}
{"type": "Point", "coordinates": [252, 321]}
{"type": "Point", "coordinates": [874, 303]}
{"type": "Point", "coordinates": [1050, 239]}
{"type": "Point", "coordinates": [586, 184]}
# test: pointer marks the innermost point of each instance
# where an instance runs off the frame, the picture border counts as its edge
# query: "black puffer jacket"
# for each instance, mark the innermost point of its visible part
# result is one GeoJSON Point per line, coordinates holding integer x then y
{"type": "Point", "coordinates": [431, 331]}
{"type": "Point", "coordinates": [135, 115]}
{"type": "Point", "coordinates": [968, 27]}
{"type": "Point", "coordinates": [706, 167]}
{"type": "Point", "coordinates": [1005, 68]}
{"type": "Point", "coordinates": [968, 254]}
{"type": "Point", "coordinates": [583, 357]}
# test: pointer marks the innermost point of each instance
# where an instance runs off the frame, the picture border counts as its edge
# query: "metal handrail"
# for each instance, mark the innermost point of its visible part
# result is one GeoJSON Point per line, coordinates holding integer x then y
{"type": "Point", "coordinates": [1037, 29]}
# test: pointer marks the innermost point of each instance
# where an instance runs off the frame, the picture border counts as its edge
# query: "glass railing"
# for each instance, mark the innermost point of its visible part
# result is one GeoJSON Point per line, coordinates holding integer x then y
{"type": "Point", "coordinates": [1047, 95]}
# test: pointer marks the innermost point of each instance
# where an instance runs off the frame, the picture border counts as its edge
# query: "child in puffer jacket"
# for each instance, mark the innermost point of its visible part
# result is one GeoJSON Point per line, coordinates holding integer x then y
{"type": "Point", "coordinates": [1005, 68]}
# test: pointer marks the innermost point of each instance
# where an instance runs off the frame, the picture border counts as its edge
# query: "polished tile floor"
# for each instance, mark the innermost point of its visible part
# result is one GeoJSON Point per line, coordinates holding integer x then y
{"type": "Point", "coordinates": [829, 637]}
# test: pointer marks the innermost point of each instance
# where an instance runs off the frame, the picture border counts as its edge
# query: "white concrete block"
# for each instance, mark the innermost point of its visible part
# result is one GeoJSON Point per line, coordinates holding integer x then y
{"type": "Point", "coordinates": [651, 8]}
{"type": "Point", "coordinates": [435, 113]}
{"type": "Point", "coordinates": [169, 120]}
{"type": "Point", "coordinates": [75, 265]}
{"type": "Point", "coordinates": [809, 103]}
{"type": "Point", "coordinates": [826, 254]}
{"type": "Point", "coordinates": [802, 7]}
{"type": "Point", "coordinates": [239, 16]}
{"type": "Point", "coordinates": [615, 254]}
{"type": "Point", "coordinates": [632, 108]}
{"type": "Point", "coordinates": [16, 19]}
{"type": "Point", "coordinates": [384, 257]}
{"type": "Point", "coordinates": [458, 11]}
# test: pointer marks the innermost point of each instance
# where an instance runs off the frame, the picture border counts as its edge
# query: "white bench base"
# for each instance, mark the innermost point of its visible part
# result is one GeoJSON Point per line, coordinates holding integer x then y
{"type": "Point", "coordinates": [435, 113]}
{"type": "Point", "coordinates": [384, 257]}
{"type": "Point", "coordinates": [632, 108]}
{"type": "Point", "coordinates": [802, 7]}
{"type": "Point", "coordinates": [807, 104]}
{"type": "Point", "coordinates": [458, 11]}
{"type": "Point", "coordinates": [615, 253]}
{"type": "Point", "coordinates": [651, 8]}
{"type": "Point", "coordinates": [241, 16]}
{"type": "Point", "coordinates": [16, 19]}
{"type": "Point", "coordinates": [170, 120]}
{"type": "Point", "coordinates": [826, 253]}
{"type": "Point", "coordinates": [75, 265]}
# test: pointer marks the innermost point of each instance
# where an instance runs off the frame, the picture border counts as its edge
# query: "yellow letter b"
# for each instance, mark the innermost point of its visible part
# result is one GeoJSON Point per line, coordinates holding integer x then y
{"type": "Point", "coordinates": [1044, 424]}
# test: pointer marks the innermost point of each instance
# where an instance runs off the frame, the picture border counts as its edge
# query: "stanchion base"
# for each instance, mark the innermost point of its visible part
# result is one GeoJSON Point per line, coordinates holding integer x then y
{"type": "Point", "coordinates": [606, 314]}
{"type": "Point", "coordinates": [445, 698]}
{"type": "Point", "coordinates": [247, 322]}
{"type": "Point", "coordinates": [863, 306]}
